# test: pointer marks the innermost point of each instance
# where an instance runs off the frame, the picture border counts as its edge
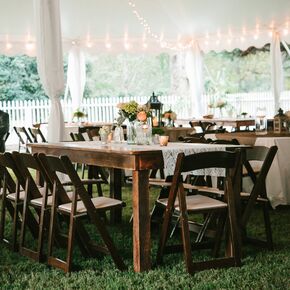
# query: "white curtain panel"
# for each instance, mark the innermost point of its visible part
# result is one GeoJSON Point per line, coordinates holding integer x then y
{"type": "Point", "coordinates": [276, 69]}
{"type": "Point", "coordinates": [76, 76]}
{"type": "Point", "coordinates": [50, 61]}
{"type": "Point", "coordinates": [194, 71]}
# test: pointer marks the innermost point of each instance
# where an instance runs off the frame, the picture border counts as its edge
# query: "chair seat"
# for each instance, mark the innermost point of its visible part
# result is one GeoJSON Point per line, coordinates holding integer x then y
{"type": "Point", "coordinates": [12, 196]}
{"type": "Point", "coordinates": [98, 202]}
{"type": "Point", "coordinates": [86, 181]}
{"type": "Point", "coordinates": [38, 201]}
{"type": "Point", "coordinates": [197, 202]}
{"type": "Point", "coordinates": [158, 182]}
{"type": "Point", "coordinates": [256, 169]}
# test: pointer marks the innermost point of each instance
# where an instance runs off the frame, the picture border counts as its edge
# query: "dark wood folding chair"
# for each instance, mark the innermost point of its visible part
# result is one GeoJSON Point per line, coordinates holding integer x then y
{"type": "Point", "coordinates": [77, 136]}
{"type": "Point", "coordinates": [12, 199]}
{"type": "Point", "coordinates": [36, 198]}
{"type": "Point", "coordinates": [258, 193]}
{"type": "Point", "coordinates": [3, 141]}
{"type": "Point", "coordinates": [75, 210]}
{"type": "Point", "coordinates": [23, 138]}
{"type": "Point", "coordinates": [93, 133]}
{"type": "Point", "coordinates": [197, 203]}
{"type": "Point", "coordinates": [96, 175]}
{"type": "Point", "coordinates": [37, 135]}
{"type": "Point", "coordinates": [206, 125]}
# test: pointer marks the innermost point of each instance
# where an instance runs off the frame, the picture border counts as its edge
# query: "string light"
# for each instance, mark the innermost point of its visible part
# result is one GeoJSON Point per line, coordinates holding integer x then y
{"type": "Point", "coordinates": [286, 29]}
{"type": "Point", "coordinates": [229, 36]}
{"type": "Point", "coordinates": [270, 33]}
{"type": "Point", "coordinates": [8, 45]}
{"type": "Point", "coordinates": [143, 22]}
{"type": "Point", "coordinates": [108, 45]}
{"type": "Point", "coordinates": [89, 43]}
{"type": "Point", "coordinates": [29, 45]}
{"type": "Point", "coordinates": [127, 45]}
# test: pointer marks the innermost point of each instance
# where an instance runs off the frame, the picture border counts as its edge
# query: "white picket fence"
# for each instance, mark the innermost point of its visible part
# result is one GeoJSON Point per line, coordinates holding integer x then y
{"type": "Point", "coordinates": [26, 113]}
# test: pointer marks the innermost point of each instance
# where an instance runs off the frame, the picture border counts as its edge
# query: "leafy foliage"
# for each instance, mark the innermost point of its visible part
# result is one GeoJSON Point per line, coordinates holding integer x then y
{"type": "Point", "coordinates": [237, 71]}
{"type": "Point", "coordinates": [127, 74]}
{"type": "Point", "coordinates": [242, 71]}
{"type": "Point", "coordinates": [124, 74]}
{"type": "Point", "coordinates": [19, 78]}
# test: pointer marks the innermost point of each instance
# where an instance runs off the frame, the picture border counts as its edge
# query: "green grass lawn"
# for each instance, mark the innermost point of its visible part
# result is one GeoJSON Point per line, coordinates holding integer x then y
{"type": "Point", "coordinates": [261, 269]}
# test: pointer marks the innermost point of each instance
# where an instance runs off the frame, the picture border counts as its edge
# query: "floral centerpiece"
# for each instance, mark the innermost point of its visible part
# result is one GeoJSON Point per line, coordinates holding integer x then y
{"type": "Point", "coordinates": [78, 114]}
{"type": "Point", "coordinates": [133, 111]}
{"type": "Point", "coordinates": [137, 116]}
{"type": "Point", "coordinates": [169, 117]}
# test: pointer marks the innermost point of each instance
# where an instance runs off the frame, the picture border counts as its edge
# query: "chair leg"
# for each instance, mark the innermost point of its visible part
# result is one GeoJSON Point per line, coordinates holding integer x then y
{"type": "Point", "coordinates": [23, 226]}
{"type": "Point", "coordinates": [3, 213]}
{"type": "Point", "coordinates": [90, 176]}
{"type": "Point", "coordinates": [185, 234]}
{"type": "Point", "coordinates": [219, 234]}
{"type": "Point", "coordinates": [83, 170]}
{"type": "Point", "coordinates": [164, 236]}
{"type": "Point", "coordinates": [14, 227]}
{"type": "Point", "coordinates": [99, 189]}
{"type": "Point", "coordinates": [268, 229]}
{"type": "Point", "coordinates": [52, 227]}
{"type": "Point", "coordinates": [71, 234]}
{"type": "Point", "coordinates": [95, 217]}
{"type": "Point", "coordinates": [204, 227]}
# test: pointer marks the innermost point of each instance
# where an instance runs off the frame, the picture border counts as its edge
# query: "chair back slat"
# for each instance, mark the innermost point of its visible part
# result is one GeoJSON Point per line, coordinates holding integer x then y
{"type": "Point", "coordinates": [52, 165]}
{"type": "Point", "coordinates": [10, 183]}
{"type": "Point", "coordinates": [213, 159]}
{"type": "Point", "coordinates": [77, 183]}
{"type": "Point", "coordinates": [77, 136]}
{"type": "Point", "coordinates": [25, 163]}
{"type": "Point", "coordinates": [93, 133]}
{"type": "Point", "coordinates": [35, 133]}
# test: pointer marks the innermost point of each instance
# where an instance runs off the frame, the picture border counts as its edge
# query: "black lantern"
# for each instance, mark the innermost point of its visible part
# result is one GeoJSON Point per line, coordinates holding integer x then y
{"type": "Point", "coordinates": [156, 108]}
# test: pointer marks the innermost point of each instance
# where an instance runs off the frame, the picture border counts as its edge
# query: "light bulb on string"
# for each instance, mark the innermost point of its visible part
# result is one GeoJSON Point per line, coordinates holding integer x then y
{"type": "Point", "coordinates": [270, 33]}
{"type": "Point", "coordinates": [8, 45]}
{"type": "Point", "coordinates": [127, 45]}
{"type": "Point", "coordinates": [29, 45]}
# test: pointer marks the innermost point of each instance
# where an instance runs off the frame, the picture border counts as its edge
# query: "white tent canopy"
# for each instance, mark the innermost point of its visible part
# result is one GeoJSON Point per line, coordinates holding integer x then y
{"type": "Point", "coordinates": [112, 24]}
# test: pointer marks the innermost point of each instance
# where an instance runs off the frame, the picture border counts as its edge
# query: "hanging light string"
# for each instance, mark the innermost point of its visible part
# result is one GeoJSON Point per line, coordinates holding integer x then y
{"type": "Point", "coordinates": [158, 38]}
{"type": "Point", "coordinates": [232, 38]}
{"type": "Point", "coordinates": [239, 35]}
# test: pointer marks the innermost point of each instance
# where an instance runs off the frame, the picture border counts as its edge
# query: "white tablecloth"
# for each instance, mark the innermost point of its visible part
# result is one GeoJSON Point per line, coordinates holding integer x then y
{"type": "Point", "coordinates": [278, 179]}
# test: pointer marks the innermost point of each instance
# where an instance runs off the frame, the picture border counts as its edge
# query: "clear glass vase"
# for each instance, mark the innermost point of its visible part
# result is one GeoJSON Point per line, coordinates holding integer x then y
{"type": "Point", "coordinates": [143, 132]}
{"type": "Point", "coordinates": [131, 133]}
{"type": "Point", "coordinates": [118, 134]}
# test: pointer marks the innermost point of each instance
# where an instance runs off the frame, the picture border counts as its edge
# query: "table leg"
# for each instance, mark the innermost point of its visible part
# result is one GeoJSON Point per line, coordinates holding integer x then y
{"type": "Point", "coordinates": [116, 192]}
{"type": "Point", "coordinates": [141, 221]}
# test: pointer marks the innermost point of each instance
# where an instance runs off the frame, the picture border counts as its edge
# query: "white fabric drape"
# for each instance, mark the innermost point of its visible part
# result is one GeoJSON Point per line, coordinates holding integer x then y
{"type": "Point", "coordinates": [276, 69]}
{"type": "Point", "coordinates": [76, 76]}
{"type": "Point", "coordinates": [50, 61]}
{"type": "Point", "coordinates": [194, 71]}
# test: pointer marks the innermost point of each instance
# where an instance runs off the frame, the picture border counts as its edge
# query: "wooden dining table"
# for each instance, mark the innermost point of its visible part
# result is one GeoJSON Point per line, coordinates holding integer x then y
{"type": "Point", "coordinates": [138, 158]}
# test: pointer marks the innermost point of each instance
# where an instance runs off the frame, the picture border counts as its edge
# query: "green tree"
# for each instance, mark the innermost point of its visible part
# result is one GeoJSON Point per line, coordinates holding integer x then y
{"type": "Point", "coordinates": [19, 78]}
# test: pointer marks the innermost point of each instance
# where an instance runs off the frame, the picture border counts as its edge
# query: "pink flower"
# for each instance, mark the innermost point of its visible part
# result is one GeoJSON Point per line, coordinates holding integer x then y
{"type": "Point", "coordinates": [142, 116]}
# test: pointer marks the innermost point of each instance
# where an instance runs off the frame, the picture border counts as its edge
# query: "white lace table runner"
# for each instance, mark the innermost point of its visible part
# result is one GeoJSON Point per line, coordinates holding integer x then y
{"type": "Point", "coordinates": [170, 155]}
